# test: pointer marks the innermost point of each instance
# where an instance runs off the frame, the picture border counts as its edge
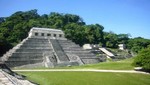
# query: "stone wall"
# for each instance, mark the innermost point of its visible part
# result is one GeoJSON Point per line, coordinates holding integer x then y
{"type": "Point", "coordinates": [90, 60]}
{"type": "Point", "coordinates": [45, 33]}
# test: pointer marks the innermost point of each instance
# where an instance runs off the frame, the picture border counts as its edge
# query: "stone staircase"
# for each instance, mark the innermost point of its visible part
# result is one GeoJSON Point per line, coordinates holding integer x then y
{"type": "Point", "coordinates": [71, 48]}
{"type": "Point", "coordinates": [59, 51]}
{"type": "Point", "coordinates": [61, 56]}
{"type": "Point", "coordinates": [108, 53]}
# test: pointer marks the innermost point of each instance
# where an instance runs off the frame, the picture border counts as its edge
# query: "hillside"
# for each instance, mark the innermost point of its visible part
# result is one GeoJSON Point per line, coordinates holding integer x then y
{"type": "Point", "coordinates": [15, 28]}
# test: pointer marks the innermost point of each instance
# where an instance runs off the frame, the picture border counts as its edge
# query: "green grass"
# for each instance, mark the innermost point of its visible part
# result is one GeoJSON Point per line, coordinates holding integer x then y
{"type": "Point", "coordinates": [91, 78]}
{"type": "Point", "coordinates": [87, 78]}
{"type": "Point", "coordinates": [111, 65]}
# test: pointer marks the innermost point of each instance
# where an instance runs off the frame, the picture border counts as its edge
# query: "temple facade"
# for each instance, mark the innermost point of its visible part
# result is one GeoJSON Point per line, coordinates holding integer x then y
{"type": "Point", "coordinates": [45, 33]}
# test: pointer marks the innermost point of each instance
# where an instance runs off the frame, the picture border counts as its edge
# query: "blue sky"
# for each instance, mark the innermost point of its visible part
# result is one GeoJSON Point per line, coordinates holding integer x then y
{"type": "Point", "coordinates": [119, 16]}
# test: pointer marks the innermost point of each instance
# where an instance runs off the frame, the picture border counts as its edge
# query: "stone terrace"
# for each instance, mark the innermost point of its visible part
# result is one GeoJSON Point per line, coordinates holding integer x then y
{"type": "Point", "coordinates": [30, 52]}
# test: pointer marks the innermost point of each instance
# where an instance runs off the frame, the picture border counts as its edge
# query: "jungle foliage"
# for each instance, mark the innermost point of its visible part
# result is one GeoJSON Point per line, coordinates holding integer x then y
{"type": "Point", "coordinates": [15, 28]}
{"type": "Point", "coordinates": [143, 59]}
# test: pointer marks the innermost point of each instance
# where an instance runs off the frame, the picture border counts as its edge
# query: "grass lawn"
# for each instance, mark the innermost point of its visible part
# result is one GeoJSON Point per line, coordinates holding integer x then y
{"type": "Point", "coordinates": [111, 65]}
{"type": "Point", "coordinates": [87, 78]}
{"type": "Point", "coordinates": [91, 78]}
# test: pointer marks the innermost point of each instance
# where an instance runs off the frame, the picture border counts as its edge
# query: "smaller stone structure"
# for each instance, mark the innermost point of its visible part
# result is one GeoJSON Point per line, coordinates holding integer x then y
{"type": "Point", "coordinates": [87, 47]}
{"type": "Point", "coordinates": [121, 46]}
{"type": "Point", "coordinates": [90, 46]}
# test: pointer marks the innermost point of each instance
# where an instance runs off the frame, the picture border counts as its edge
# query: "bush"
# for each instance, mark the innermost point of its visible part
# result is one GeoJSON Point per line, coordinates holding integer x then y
{"type": "Point", "coordinates": [143, 59]}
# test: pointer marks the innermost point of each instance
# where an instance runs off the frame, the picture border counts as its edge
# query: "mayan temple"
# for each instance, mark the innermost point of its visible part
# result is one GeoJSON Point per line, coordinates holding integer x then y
{"type": "Point", "coordinates": [45, 47]}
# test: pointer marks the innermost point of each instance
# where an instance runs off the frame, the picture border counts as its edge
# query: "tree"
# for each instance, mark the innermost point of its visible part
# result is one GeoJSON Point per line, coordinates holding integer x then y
{"type": "Point", "coordinates": [69, 18]}
{"type": "Point", "coordinates": [94, 33]}
{"type": "Point", "coordinates": [111, 39]}
{"type": "Point", "coordinates": [4, 44]}
{"type": "Point", "coordinates": [15, 28]}
{"type": "Point", "coordinates": [2, 19]}
{"type": "Point", "coordinates": [136, 44]}
{"type": "Point", "coordinates": [123, 38]}
{"type": "Point", "coordinates": [143, 59]}
{"type": "Point", "coordinates": [76, 33]}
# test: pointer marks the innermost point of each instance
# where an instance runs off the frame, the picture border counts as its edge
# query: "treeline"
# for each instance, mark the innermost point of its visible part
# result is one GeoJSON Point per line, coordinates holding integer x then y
{"type": "Point", "coordinates": [15, 28]}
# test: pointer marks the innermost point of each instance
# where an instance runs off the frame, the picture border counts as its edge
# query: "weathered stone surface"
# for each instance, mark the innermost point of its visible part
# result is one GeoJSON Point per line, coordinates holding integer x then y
{"type": "Point", "coordinates": [8, 77]}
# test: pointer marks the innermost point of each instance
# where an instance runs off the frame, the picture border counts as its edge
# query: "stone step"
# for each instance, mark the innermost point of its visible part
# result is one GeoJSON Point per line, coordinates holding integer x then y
{"type": "Point", "coordinates": [33, 50]}
{"type": "Point", "coordinates": [25, 58]}
{"type": "Point", "coordinates": [70, 46]}
{"type": "Point", "coordinates": [36, 45]}
{"type": "Point", "coordinates": [64, 43]}
{"type": "Point", "coordinates": [77, 52]}
{"type": "Point", "coordinates": [73, 49]}
{"type": "Point", "coordinates": [62, 64]}
{"type": "Point", "coordinates": [26, 54]}
{"type": "Point", "coordinates": [36, 42]}
{"type": "Point", "coordinates": [36, 39]}
{"type": "Point", "coordinates": [20, 63]}
{"type": "Point", "coordinates": [86, 55]}
{"type": "Point", "coordinates": [78, 48]}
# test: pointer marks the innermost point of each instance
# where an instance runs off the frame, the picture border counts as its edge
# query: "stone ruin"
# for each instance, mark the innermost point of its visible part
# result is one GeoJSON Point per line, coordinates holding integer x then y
{"type": "Point", "coordinates": [122, 46]}
{"type": "Point", "coordinates": [108, 54]}
{"type": "Point", "coordinates": [45, 47]}
{"type": "Point", "coordinates": [8, 77]}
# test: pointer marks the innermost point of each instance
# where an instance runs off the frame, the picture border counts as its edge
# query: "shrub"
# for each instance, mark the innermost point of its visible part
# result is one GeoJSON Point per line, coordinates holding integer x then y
{"type": "Point", "coordinates": [143, 59]}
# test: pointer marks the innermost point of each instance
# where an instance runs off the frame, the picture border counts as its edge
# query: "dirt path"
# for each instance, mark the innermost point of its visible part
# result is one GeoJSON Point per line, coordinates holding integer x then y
{"type": "Point", "coordinates": [86, 70]}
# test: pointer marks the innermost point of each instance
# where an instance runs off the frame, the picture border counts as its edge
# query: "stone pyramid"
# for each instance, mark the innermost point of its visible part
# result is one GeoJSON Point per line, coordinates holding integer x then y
{"type": "Point", "coordinates": [46, 47]}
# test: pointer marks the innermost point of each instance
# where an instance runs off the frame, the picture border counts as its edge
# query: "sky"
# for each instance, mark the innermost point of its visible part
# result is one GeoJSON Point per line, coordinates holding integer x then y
{"type": "Point", "coordinates": [118, 16]}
